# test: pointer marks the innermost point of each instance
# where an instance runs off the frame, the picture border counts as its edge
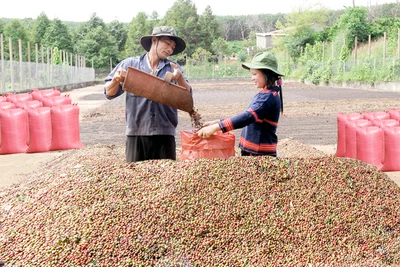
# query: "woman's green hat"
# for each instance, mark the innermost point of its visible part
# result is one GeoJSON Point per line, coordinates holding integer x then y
{"type": "Point", "coordinates": [263, 60]}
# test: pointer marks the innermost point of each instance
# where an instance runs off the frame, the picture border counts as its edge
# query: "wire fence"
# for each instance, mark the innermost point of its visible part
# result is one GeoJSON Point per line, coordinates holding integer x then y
{"type": "Point", "coordinates": [18, 77]}
{"type": "Point", "coordinates": [49, 68]}
{"type": "Point", "coordinates": [370, 62]}
{"type": "Point", "coordinates": [223, 69]}
{"type": "Point", "coordinates": [367, 70]}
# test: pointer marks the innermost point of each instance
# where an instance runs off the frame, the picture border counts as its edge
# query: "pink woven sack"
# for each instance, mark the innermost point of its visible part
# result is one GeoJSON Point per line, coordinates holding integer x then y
{"type": "Point", "coordinates": [341, 131]}
{"type": "Point", "coordinates": [391, 161]}
{"type": "Point", "coordinates": [65, 127]}
{"type": "Point", "coordinates": [40, 131]}
{"type": "Point", "coordinates": [369, 145]}
{"type": "Point", "coordinates": [14, 131]}
{"type": "Point", "coordinates": [351, 137]}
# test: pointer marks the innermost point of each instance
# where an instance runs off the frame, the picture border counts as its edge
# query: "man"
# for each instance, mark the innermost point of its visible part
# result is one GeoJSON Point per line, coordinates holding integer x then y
{"type": "Point", "coordinates": [150, 126]}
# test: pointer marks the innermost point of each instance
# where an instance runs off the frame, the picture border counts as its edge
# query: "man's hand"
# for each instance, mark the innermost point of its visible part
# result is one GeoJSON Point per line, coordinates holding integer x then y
{"type": "Point", "coordinates": [119, 76]}
{"type": "Point", "coordinates": [113, 85]}
{"type": "Point", "coordinates": [177, 76]}
{"type": "Point", "coordinates": [177, 73]}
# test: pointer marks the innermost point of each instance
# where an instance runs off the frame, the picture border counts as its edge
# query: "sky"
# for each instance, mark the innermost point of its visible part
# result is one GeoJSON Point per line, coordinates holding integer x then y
{"type": "Point", "coordinates": [125, 11]}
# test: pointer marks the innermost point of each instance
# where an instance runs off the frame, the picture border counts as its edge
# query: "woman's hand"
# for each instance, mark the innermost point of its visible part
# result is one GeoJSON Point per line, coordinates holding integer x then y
{"type": "Point", "coordinates": [207, 123]}
{"type": "Point", "coordinates": [207, 131]}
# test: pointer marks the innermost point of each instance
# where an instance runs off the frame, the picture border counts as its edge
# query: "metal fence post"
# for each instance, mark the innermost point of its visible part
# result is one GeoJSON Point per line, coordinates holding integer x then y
{"type": "Point", "coordinates": [11, 65]}
{"type": "Point", "coordinates": [21, 81]}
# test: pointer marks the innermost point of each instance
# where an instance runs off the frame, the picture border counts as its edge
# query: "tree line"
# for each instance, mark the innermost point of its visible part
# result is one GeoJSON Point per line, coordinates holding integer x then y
{"type": "Point", "coordinates": [207, 35]}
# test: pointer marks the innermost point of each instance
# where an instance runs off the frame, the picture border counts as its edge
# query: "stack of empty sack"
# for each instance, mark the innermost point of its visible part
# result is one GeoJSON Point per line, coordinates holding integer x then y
{"type": "Point", "coordinates": [38, 121]}
{"type": "Point", "coordinates": [372, 137]}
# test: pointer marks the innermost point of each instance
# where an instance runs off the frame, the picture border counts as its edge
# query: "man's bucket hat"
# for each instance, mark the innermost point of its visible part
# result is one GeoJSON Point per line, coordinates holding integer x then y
{"type": "Point", "coordinates": [160, 31]}
{"type": "Point", "coordinates": [263, 60]}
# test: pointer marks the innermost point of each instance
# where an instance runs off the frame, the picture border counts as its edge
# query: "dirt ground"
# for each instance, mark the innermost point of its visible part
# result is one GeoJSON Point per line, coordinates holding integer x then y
{"type": "Point", "coordinates": [307, 127]}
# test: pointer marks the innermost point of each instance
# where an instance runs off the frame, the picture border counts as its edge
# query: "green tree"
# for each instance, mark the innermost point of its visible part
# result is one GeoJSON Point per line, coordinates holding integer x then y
{"type": "Point", "coordinates": [138, 27]}
{"type": "Point", "coordinates": [390, 10]}
{"type": "Point", "coordinates": [242, 27]}
{"type": "Point", "coordinates": [227, 25]}
{"type": "Point", "coordinates": [94, 41]}
{"type": "Point", "coordinates": [209, 29]}
{"type": "Point", "coordinates": [316, 15]}
{"type": "Point", "coordinates": [98, 46]}
{"type": "Point", "coordinates": [1, 26]}
{"type": "Point", "coordinates": [234, 48]}
{"type": "Point", "coordinates": [94, 22]}
{"type": "Point", "coordinates": [251, 40]}
{"type": "Point", "coordinates": [28, 24]}
{"type": "Point", "coordinates": [353, 23]}
{"type": "Point", "coordinates": [40, 26]}
{"type": "Point", "coordinates": [296, 40]}
{"type": "Point", "coordinates": [201, 55]}
{"type": "Point", "coordinates": [15, 30]}
{"type": "Point", "coordinates": [85, 27]}
{"type": "Point", "coordinates": [57, 35]}
{"type": "Point", "coordinates": [390, 26]}
{"type": "Point", "coordinates": [301, 28]}
{"type": "Point", "coordinates": [380, 26]}
{"type": "Point", "coordinates": [154, 16]}
{"type": "Point", "coordinates": [219, 45]}
{"type": "Point", "coordinates": [344, 53]}
{"type": "Point", "coordinates": [56, 56]}
{"type": "Point", "coordinates": [183, 17]}
{"type": "Point", "coordinates": [120, 32]}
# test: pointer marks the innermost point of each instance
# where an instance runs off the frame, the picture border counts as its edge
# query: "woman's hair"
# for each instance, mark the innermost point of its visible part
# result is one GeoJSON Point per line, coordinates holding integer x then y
{"type": "Point", "coordinates": [270, 77]}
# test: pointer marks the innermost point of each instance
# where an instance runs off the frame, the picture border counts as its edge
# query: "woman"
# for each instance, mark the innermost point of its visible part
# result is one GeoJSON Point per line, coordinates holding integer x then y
{"type": "Point", "coordinates": [260, 120]}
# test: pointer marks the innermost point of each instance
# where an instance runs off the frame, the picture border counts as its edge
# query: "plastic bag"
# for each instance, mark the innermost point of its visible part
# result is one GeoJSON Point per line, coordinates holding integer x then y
{"type": "Point", "coordinates": [13, 98]}
{"type": "Point", "coordinates": [369, 145]}
{"type": "Point", "coordinates": [392, 149]}
{"type": "Point", "coordinates": [14, 131]}
{"type": "Point", "coordinates": [351, 137]}
{"type": "Point", "coordinates": [40, 94]}
{"type": "Point", "coordinates": [219, 145]}
{"type": "Point", "coordinates": [40, 131]}
{"type": "Point", "coordinates": [377, 115]}
{"type": "Point", "coordinates": [65, 127]}
{"type": "Point", "coordinates": [6, 105]}
{"type": "Point", "coordinates": [386, 123]}
{"type": "Point", "coordinates": [342, 118]}
{"type": "Point", "coordinates": [29, 104]}
{"type": "Point", "coordinates": [394, 114]}
{"type": "Point", "coordinates": [56, 100]}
